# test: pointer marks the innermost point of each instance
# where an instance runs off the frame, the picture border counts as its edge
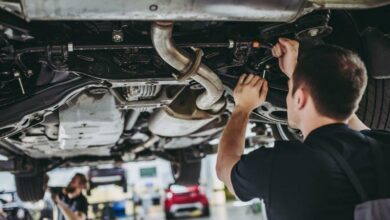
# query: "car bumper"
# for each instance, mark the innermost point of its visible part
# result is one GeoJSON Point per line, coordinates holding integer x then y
{"type": "Point", "coordinates": [186, 209]}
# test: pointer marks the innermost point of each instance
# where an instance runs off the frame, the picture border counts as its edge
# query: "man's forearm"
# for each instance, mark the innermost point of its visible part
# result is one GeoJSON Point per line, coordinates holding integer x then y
{"type": "Point", "coordinates": [232, 143]}
{"type": "Point", "coordinates": [233, 137]}
{"type": "Point", "coordinates": [68, 213]}
{"type": "Point", "coordinates": [250, 92]}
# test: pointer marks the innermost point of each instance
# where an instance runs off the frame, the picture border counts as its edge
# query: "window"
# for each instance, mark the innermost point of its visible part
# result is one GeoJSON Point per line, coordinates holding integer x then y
{"type": "Point", "coordinates": [148, 172]}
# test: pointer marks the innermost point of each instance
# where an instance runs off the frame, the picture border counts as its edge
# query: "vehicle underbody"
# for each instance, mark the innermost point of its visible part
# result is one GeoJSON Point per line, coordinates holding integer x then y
{"type": "Point", "coordinates": [85, 88]}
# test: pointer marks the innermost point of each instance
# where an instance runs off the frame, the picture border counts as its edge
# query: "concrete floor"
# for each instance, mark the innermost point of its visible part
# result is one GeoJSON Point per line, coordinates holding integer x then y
{"type": "Point", "coordinates": [230, 211]}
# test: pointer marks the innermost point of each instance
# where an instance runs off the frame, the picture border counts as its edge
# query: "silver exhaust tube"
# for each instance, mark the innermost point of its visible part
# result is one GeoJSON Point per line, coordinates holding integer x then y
{"type": "Point", "coordinates": [179, 59]}
{"type": "Point", "coordinates": [349, 4]}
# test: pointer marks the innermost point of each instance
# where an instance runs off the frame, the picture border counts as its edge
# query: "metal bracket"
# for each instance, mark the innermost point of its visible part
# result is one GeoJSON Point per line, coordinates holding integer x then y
{"type": "Point", "coordinates": [57, 55]}
{"type": "Point", "coordinates": [7, 165]}
{"type": "Point", "coordinates": [18, 165]}
{"type": "Point", "coordinates": [193, 68]}
{"type": "Point", "coordinates": [163, 99]}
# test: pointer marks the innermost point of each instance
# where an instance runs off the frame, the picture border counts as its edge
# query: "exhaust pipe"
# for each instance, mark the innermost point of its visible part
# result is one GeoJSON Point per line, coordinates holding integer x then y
{"type": "Point", "coordinates": [179, 59]}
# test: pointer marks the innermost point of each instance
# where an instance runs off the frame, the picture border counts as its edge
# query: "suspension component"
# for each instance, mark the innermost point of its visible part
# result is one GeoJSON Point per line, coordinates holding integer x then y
{"type": "Point", "coordinates": [17, 77]}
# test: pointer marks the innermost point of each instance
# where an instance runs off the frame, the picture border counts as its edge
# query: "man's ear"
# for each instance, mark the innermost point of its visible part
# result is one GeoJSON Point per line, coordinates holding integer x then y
{"type": "Point", "coordinates": [301, 96]}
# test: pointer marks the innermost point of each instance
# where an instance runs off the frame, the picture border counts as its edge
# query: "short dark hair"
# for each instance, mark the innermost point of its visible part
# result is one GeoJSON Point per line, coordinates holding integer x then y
{"type": "Point", "coordinates": [335, 77]}
{"type": "Point", "coordinates": [82, 179]}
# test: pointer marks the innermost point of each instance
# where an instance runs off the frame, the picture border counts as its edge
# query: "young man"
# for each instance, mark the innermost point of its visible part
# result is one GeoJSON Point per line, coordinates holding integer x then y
{"type": "Point", "coordinates": [72, 204]}
{"type": "Point", "coordinates": [299, 180]}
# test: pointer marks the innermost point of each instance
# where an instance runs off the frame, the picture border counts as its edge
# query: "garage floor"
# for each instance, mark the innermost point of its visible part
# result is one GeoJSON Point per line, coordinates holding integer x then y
{"type": "Point", "coordinates": [230, 211]}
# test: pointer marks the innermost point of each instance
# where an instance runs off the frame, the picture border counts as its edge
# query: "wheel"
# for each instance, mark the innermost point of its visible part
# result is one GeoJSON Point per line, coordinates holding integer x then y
{"type": "Point", "coordinates": [374, 109]}
{"type": "Point", "coordinates": [206, 212]}
{"type": "Point", "coordinates": [107, 213]}
{"type": "Point", "coordinates": [283, 132]}
{"type": "Point", "coordinates": [373, 46]}
{"type": "Point", "coordinates": [31, 188]}
{"type": "Point", "coordinates": [185, 172]}
{"type": "Point", "coordinates": [169, 216]}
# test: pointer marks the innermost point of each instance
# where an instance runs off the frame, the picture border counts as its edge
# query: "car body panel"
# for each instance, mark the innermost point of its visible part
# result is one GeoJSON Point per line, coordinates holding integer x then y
{"type": "Point", "coordinates": [184, 200]}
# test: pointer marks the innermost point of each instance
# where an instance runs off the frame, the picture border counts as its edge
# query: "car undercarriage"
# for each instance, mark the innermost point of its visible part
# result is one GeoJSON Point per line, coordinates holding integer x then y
{"type": "Point", "coordinates": [85, 84]}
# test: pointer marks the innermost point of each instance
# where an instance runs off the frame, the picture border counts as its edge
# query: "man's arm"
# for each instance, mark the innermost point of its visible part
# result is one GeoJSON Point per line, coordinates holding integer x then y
{"type": "Point", "coordinates": [286, 50]}
{"type": "Point", "coordinates": [231, 146]}
{"type": "Point", "coordinates": [67, 212]}
{"type": "Point", "coordinates": [249, 93]}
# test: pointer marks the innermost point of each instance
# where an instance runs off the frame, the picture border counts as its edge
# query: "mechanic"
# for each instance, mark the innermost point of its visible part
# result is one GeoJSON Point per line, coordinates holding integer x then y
{"type": "Point", "coordinates": [3, 215]}
{"type": "Point", "coordinates": [71, 202]}
{"type": "Point", "coordinates": [299, 180]}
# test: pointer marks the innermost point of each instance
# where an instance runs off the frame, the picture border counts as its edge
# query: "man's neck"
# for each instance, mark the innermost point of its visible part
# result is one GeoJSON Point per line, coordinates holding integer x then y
{"type": "Point", "coordinates": [310, 124]}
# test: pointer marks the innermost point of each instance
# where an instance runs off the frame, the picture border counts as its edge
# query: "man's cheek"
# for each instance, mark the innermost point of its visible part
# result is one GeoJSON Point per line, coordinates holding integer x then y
{"type": "Point", "coordinates": [288, 101]}
{"type": "Point", "coordinates": [291, 117]}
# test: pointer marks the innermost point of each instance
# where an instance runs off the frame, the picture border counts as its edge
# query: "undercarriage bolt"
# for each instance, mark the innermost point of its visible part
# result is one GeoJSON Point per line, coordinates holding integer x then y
{"type": "Point", "coordinates": [17, 76]}
{"type": "Point", "coordinates": [153, 7]}
{"type": "Point", "coordinates": [117, 36]}
{"type": "Point", "coordinates": [29, 73]}
{"type": "Point", "coordinates": [313, 32]}
{"type": "Point", "coordinates": [70, 47]}
{"type": "Point", "coordinates": [231, 44]}
{"type": "Point", "coordinates": [255, 44]}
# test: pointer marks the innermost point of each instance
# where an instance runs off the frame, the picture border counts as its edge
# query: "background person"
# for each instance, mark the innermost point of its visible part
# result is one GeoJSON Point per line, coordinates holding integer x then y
{"type": "Point", "coordinates": [71, 202]}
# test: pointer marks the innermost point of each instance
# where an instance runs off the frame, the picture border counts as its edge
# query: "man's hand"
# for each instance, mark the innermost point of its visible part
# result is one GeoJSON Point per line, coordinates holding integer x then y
{"type": "Point", "coordinates": [250, 92]}
{"type": "Point", "coordinates": [55, 198]}
{"type": "Point", "coordinates": [286, 51]}
{"type": "Point", "coordinates": [66, 211]}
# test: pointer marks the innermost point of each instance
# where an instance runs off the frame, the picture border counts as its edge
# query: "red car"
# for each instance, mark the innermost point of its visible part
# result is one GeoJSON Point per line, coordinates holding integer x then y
{"type": "Point", "coordinates": [185, 201]}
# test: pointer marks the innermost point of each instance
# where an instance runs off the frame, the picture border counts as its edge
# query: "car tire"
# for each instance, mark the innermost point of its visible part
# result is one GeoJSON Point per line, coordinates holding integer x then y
{"type": "Point", "coordinates": [169, 216]}
{"type": "Point", "coordinates": [374, 109]}
{"type": "Point", "coordinates": [31, 188]}
{"type": "Point", "coordinates": [206, 212]}
{"type": "Point", "coordinates": [186, 172]}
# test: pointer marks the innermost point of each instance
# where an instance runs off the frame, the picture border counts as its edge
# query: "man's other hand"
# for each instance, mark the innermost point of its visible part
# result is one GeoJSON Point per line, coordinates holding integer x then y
{"type": "Point", "coordinates": [286, 51]}
{"type": "Point", "coordinates": [250, 92]}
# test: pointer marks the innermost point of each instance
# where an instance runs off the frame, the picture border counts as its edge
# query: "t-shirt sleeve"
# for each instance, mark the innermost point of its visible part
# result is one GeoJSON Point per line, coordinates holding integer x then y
{"type": "Point", "coordinates": [250, 176]}
{"type": "Point", "coordinates": [377, 133]}
{"type": "Point", "coordinates": [82, 205]}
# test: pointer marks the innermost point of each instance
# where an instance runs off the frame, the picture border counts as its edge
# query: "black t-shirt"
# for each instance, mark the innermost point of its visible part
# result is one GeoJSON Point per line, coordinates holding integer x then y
{"type": "Point", "coordinates": [299, 181]}
{"type": "Point", "coordinates": [78, 203]}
